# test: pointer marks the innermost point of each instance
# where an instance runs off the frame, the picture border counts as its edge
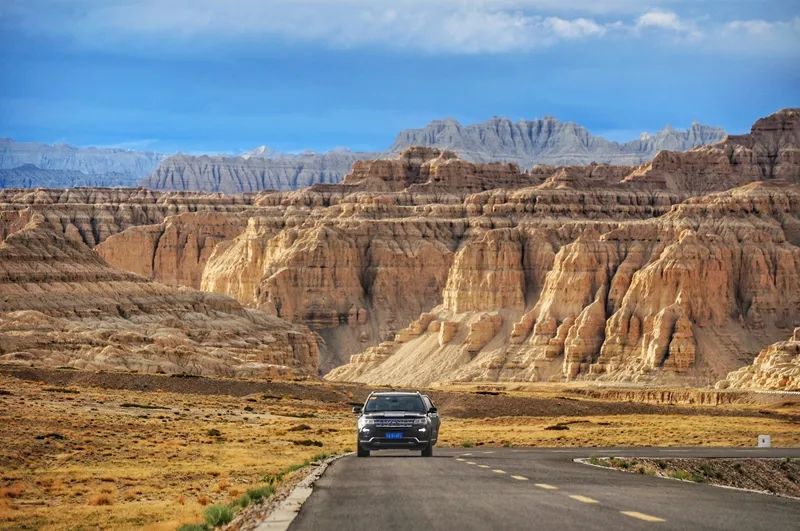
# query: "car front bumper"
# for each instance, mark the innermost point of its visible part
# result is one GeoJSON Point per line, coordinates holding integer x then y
{"type": "Point", "coordinates": [379, 443]}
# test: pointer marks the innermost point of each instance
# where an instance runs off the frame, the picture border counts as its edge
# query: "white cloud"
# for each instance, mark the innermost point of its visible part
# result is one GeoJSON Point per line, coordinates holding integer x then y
{"type": "Point", "coordinates": [440, 26]}
{"type": "Point", "coordinates": [576, 28]}
{"type": "Point", "coordinates": [761, 35]}
{"type": "Point", "coordinates": [668, 21]}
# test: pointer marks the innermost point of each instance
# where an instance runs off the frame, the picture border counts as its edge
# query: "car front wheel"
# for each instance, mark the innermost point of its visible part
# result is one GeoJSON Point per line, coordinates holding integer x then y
{"type": "Point", "coordinates": [360, 452]}
{"type": "Point", "coordinates": [428, 451]}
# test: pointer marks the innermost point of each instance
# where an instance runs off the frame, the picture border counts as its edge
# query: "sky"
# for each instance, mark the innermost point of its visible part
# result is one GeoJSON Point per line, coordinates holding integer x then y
{"type": "Point", "coordinates": [226, 76]}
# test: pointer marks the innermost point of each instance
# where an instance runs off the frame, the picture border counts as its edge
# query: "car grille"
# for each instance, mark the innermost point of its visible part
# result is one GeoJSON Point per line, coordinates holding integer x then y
{"type": "Point", "coordinates": [394, 423]}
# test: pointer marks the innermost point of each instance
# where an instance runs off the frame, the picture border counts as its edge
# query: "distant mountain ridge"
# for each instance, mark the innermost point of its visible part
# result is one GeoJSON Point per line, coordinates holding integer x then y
{"type": "Point", "coordinates": [524, 142]}
{"type": "Point", "coordinates": [549, 141]}
{"type": "Point", "coordinates": [115, 167]}
{"type": "Point", "coordinates": [264, 170]}
{"type": "Point", "coordinates": [31, 176]}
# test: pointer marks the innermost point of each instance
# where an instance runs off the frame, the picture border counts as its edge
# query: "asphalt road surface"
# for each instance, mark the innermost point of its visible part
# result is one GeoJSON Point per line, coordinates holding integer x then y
{"type": "Point", "coordinates": [511, 488]}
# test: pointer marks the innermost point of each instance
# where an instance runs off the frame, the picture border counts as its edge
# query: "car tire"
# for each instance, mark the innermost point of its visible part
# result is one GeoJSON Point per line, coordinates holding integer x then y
{"type": "Point", "coordinates": [360, 452]}
{"type": "Point", "coordinates": [428, 451]}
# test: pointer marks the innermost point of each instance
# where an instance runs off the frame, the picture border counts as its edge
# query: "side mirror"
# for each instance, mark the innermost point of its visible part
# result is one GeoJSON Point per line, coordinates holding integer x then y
{"type": "Point", "coordinates": [432, 410]}
{"type": "Point", "coordinates": [356, 410]}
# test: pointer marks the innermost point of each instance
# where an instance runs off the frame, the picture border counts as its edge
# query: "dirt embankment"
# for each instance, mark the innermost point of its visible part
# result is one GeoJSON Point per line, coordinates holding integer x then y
{"type": "Point", "coordinates": [457, 404]}
{"type": "Point", "coordinates": [684, 396]}
{"type": "Point", "coordinates": [773, 476]}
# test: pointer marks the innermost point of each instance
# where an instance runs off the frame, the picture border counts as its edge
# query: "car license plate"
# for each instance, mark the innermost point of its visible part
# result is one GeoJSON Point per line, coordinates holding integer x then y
{"type": "Point", "coordinates": [394, 435]}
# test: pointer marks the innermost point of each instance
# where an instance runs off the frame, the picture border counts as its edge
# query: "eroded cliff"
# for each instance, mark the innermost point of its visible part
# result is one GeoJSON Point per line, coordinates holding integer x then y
{"type": "Point", "coordinates": [428, 268]}
{"type": "Point", "coordinates": [61, 304]}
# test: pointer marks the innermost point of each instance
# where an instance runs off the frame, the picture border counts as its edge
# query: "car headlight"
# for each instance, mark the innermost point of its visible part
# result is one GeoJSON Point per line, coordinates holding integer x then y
{"type": "Point", "coordinates": [423, 420]}
{"type": "Point", "coordinates": [365, 422]}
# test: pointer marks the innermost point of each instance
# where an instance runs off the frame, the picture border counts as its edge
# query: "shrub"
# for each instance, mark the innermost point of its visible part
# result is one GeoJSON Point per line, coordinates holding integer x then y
{"type": "Point", "coordinates": [101, 499]}
{"type": "Point", "coordinates": [242, 501]}
{"type": "Point", "coordinates": [681, 474]}
{"type": "Point", "coordinates": [467, 444]}
{"type": "Point", "coordinates": [141, 406]}
{"type": "Point", "coordinates": [193, 527]}
{"type": "Point", "coordinates": [13, 491]}
{"type": "Point", "coordinates": [214, 432]}
{"type": "Point", "coordinates": [320, 456]}
{"type": "Point", "coordinates": [258, 494]}
{"type": "Point", "coordinates": [307, 442]}
{"type": "Point", "coordinates": [217, 515]}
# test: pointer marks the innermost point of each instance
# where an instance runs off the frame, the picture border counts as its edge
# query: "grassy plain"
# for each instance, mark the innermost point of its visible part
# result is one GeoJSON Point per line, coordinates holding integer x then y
{"type": "Point", "coordinates": [93, 450]}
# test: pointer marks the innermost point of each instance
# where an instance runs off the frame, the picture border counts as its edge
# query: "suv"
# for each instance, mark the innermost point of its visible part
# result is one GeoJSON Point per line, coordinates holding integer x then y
{"type": "Point", "coordinates": [397, 421]}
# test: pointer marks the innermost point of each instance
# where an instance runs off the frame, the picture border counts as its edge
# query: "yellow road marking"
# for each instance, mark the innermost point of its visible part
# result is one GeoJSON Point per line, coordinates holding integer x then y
{"type": "Point", "coordinates": [499, 471]}
{"type": "Point", "coordinates": [483, 466]}
{"type": "Point", "coordinates": [521, 478]}
{"type": "Point", "coordinates": [642, 516]}
{"type": "Point", "coordinates": [546, 486]}
{"type": "Point", "coordinates": [584, 499]}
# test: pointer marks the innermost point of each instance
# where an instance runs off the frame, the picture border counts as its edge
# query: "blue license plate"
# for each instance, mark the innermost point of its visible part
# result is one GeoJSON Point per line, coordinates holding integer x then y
{"type": "Point", "coordinates": [394, 435]}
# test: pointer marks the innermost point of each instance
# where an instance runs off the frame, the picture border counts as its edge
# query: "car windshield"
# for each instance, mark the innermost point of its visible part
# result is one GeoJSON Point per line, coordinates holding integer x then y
{"type": "Point", "coordinates": [395, 403]}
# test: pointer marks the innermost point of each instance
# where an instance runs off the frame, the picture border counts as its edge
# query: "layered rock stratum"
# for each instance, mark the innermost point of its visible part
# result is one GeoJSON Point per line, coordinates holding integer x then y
{"type": "Point", "coordinates": [427, 268]}
{"type": "Point", "coordinates": [61, 304]}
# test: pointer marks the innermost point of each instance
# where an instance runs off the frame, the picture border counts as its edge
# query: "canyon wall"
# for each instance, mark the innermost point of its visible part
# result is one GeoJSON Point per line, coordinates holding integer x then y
{"type": "Point", "coordinates": [428, 268]}
{"type": "Point", "coordinates": [61, 304]}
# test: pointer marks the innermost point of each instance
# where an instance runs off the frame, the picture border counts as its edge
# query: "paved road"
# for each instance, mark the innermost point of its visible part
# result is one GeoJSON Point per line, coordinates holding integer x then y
{"type": "Point", "coordinates": [509, 488]}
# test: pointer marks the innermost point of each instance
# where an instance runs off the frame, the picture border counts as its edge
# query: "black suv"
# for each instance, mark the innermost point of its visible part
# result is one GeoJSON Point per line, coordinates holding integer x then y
{"type": "Point", "coordinates": [397, 421]}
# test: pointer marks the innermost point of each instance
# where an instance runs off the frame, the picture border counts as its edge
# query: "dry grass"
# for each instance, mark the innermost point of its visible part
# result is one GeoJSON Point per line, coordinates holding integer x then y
{"type": "Point", "coordinates": [97, 459]}
{"type": "Point", "coordinates": [620, 430]}
{"type": "Point", "coordinates": [128, 468]}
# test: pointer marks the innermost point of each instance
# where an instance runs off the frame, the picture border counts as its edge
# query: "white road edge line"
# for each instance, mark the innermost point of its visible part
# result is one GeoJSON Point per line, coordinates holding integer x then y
{"type": "Point", "coordinates": [284, 514]}
{"type": "Point", "coordinates": [642, 516]}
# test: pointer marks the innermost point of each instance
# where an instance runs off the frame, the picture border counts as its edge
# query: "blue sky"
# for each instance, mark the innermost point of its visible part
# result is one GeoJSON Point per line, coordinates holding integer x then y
{"type": "Point", "coordinates": [207, 75]}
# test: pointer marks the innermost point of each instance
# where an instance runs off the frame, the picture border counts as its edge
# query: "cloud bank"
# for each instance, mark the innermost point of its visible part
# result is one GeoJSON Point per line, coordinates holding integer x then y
{"type": "Point", "coordinates": [442, 26]}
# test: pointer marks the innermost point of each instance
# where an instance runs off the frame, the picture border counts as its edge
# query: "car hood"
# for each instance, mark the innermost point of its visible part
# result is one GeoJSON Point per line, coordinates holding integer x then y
{"type": "Point", "coordinates": [394, 415]}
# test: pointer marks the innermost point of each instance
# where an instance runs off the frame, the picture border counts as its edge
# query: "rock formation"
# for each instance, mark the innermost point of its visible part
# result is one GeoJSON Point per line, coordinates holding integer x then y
{"type": "Point", "coordinates": [62, 305]}
{"type": "Point", "coordinates": [91, 215]}
{"type": "Point", "coordinates": [770, 151]}
{"type": "Point", "coordinates": [777, 367]}
{"type": "Point", "coordinates": [428, 268]}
